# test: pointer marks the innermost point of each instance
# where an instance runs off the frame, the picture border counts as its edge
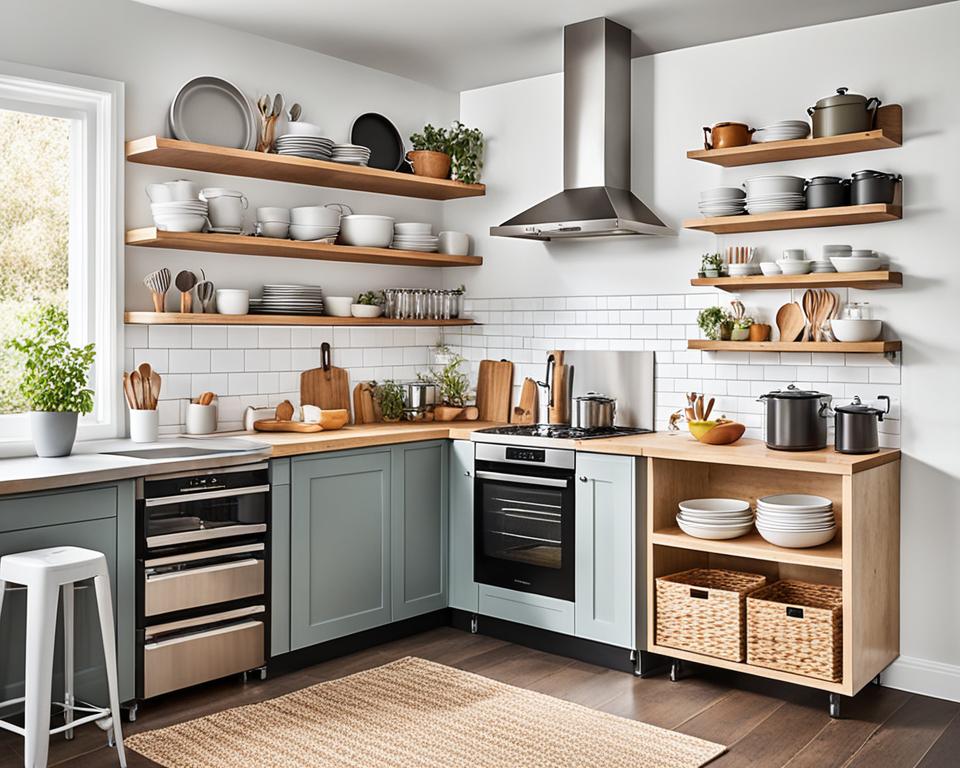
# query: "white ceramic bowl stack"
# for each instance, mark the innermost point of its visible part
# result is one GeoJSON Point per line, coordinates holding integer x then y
{"type": "Point", "coordinates": [784, 130]}
{"type": "Point", "coordinates": [315, 222]}
{"type": "Point", "coordinates": [351, 154]}
{"type": "Point", "coordinates": [796, 520]}
{"type": "Point", "coordinates": [856, 261]}
{"type": "Point", "coordinates": [722, 201]}
{"type": "Point", "coordinates": [794, 262]}
{"type": "Point", "coordinates": [715, 518]}
{"type": "Point", "coordinates": [856, 329]}
{"type": "Point", "coordinates": [180, 215]}
{"type": "Point", "coordinates": [770, 194]}
{"type": "Point", "coordinates": [273, 222]}
{"type": "Point", "coordinates": [366, 230]}
{"type": "Point", "coordinates": [415, 236]}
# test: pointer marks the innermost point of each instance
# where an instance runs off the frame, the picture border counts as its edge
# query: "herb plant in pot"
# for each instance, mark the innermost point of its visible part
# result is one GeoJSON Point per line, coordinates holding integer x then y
{"type": "Point", "coordinates": [716, 323]}
{"type": "Point", "coordinates": [711, 265]}
{"type": "Point", "coordinates": [453, 386]}
{"type": "Point", "coordinates": [430, 155]}
{"type": "Point", "coordinates": [368, 304]}
{"type": "Point", "coordinates": [389, 396]}
{"type": "Point", "coordinates": [741, 329]}
{"type": "Point", "coordinates": [55, 381]}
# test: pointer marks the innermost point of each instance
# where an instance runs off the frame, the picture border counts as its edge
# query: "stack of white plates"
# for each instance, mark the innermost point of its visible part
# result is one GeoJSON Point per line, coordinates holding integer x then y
{"type": "Point", "coordinates": [722, 201]}
{"type": "Point", "coordinates": [741, 270]}
{"type": "Point", "coordinates": [715, 518]}
{"type": "Point", "coordinates": [415, 236]}
{"type": "Point", "coordinates": [289, 300]}
{"type": "Point", "coordinates": [180, 215]}
{"type": "Point", "coordinates": [352, 154]}
{"type": "Point", "coordinates": [314, 147]}
{"type": "Point", "coordinates": [822, 265]}
{"type": "Point", "coordinates": [796, 520]}
{"type": "Point", "coordinates": [785, 130]}
{"type": "Point", "coordinates": [769, 194]}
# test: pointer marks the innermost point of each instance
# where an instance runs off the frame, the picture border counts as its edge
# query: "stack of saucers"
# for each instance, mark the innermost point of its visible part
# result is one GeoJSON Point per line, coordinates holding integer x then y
{"type": "Point", "coordinates": [715, 518]}
{"type": "Point", "coordinates": [314, 147]}
{"type": "Point", "coordinates": [769, 194]}
{"type": "Point", "coordinates": [352, 154]}
{"type": "Point", "coordinates": [722, 201]}
{"type": "Point", "coordinates": [785, 130]}
{"type": "Point", "coordinates": [796, 520]}
{"type": "Point", "coordinates": [414, 236]}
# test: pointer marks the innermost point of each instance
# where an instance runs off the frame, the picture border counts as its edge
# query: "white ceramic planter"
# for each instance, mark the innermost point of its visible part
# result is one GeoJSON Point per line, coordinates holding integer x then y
{"type": "Point", "coordinates": [54, 432]}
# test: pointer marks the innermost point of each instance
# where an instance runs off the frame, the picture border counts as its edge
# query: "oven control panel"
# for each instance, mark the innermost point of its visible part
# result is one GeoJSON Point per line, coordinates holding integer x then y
{"type": "Point", "coordinates": [526, 454]}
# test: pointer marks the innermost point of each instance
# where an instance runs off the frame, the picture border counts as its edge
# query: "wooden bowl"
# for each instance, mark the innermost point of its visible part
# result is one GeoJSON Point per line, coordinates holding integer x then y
{"type": "Point", "coordinates": [334, 418]}
{"type": "Point", "coordinates": [724, 434]}
{"type": "Point", "coordinates": [446, 412]}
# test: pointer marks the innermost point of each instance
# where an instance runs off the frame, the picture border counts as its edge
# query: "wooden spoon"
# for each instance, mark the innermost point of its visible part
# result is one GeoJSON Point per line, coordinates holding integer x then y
{"type": "Point", "coordinates": [809, 310]}
{"type": "Point", "coordinates": [706, 413]}
{"type": "Point", "coordinates": [185, 282]}
{"type": "Point", "coordinates": [155, 383]}
{"type": "Point", "coordinates": [128, 391]}
{"type": "Point", "coordinates": [790, 321]}
{"type": "Point", "coordinates": [137, 384]}
{"type": "Point", "coordinates": [145, 370]}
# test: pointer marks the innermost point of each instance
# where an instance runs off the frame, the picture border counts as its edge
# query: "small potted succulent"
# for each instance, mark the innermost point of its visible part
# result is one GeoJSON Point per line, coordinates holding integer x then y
{"type": "Point", "coordinates": [368, 304]}
{"type": "Point", "coordinates": [741, 329]}
{"type": "Point", "coordinates": [55, 380]}
{"type": "Point", "coordinates": [389, 396]}
{"type": "Point", "coordinates": [716, 323]}
{"type": "Point", "coordinates": [430, 155]}
{"type": "Point", "coordinates": [453, 386]}
{"type": "Point", "coordinates": [711, 265]}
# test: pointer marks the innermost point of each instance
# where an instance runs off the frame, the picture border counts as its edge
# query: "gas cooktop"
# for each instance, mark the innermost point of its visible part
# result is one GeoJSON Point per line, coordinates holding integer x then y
{"type": "Point", "coordinates": [521, 433]}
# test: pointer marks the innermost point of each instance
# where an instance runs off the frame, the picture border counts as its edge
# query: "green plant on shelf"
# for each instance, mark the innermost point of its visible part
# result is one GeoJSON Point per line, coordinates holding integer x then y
{"type": "Point", "coordinates": [711, 319]}
{"type": "Point", "coordinates": [452, 383]}
{"type": "Point", "coordinates": [372, 298]}
{"type": "Point", "coordinates": [431, 139]}
{"type": "Point", "coordinates": [389, 396]}
{"type": "Point", "coordinates": [711, 265]}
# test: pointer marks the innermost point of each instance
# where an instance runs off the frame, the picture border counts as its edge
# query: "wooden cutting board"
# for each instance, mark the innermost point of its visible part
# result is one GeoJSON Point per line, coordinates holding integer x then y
{"type": "Point", "coordinates": [274, 425]}
{"type": "Point", "coordinates": [495, 390]}
{"type": "Point", "coordinates": [558, 412]}
{"type": "Point", "coordinates": [527, 411]}
{"type": "Point", "coordinates": [365, 407]}
{"type": "Point", "coordinates": [326, 387]}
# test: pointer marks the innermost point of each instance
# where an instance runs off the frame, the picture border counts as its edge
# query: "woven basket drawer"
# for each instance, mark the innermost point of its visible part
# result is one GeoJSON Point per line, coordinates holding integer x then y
{"type": "Point", "coordinates": [703, 610]}
{"type": "Point", "coordinates": [797, 627]}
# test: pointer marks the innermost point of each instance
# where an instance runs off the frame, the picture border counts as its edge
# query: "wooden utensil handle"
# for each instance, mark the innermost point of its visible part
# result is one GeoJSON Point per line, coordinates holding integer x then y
{"type": "Point", "coordinates": [159, 301]}
{"type": "Point", "coordinates": [186, 303]}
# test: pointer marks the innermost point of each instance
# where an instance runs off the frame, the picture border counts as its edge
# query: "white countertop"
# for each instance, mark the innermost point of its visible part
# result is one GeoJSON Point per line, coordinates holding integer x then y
{"type": "Point", "coordinates": [90, 462]}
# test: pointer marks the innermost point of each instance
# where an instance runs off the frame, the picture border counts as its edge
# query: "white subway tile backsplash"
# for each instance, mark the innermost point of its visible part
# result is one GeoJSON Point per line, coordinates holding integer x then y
{"type": "Point", "coordinates": [170, 336]}
{"type": "Point", "coordinates": [209, 336]}
{"type": "Point", "coordinates": [272, 336]}
{"type": "Point", "coordinates": [242, 337]}
{"type": "Point", "coordinates": [226, 360]}
{"type": "Point", "coordinates": [189, 361]}
{"type": "Point", "coordinates": [256, 360]}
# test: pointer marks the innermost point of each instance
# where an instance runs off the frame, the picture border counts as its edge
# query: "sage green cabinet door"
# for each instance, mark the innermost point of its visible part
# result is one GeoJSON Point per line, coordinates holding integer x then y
{"type": "Point", "coordinates": [419, 528]}
{"type": "Point", "coordinates": [279, 556]}
{"type": "Point", "coordinates": [340, 546]}
{"type": "Point", "coordinates": [605, 550]}
{"type": "Point", "coordinates": [464, 591]}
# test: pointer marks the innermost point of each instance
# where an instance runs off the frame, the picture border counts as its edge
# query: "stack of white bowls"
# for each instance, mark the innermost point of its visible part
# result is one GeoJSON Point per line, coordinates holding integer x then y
{"type": "Point", "coordinates": [796, 520]}
{"type": "Point", "coordinates": [273, 222]}
{"type": "Point", "coordinates": [794, 262]}
{"type": "Point", "coordinates": [314, 222]}
{"type": "Point", "coordinates": [722, 201]}
{"type": "Point", "coordinates": [854, 260]}
{"type": "Point", "coordinates": [715, 518]}
{"type": "Point", "coordinates": [366, 230]}
{"type": "Point", "coordinates": [180, 215]}
{"type": "Point", "coordinates": [770, 194]}
{"type": "Point", "coordinates": [822, 264]}
{"type": "Point", "coordinates": [414, 236]}
{"type": "Point", "coordinates": [784, 130]}
{"type": "Point", "coordinates": [351, 154]}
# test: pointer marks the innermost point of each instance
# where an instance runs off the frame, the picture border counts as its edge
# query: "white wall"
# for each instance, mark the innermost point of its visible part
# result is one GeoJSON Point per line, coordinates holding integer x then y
{"type": "Point", "coordinates": [153, 52]}
{"type": "Point", "coordinates": [911, 58]}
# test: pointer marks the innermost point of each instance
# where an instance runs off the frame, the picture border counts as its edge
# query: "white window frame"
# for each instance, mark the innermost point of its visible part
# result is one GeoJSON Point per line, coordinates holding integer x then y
{"type": "Point", "coordinates": [96, 106]}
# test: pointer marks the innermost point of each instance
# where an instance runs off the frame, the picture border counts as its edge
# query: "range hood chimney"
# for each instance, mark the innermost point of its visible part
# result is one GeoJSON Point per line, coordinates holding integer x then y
{"type": "Point", "coordinates": [596, 200]}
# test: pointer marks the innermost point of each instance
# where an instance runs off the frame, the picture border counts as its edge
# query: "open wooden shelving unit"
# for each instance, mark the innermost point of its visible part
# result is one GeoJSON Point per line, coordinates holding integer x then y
{"type": "Point", "coordinates": [863, 558]}
{"type": "Point", "coordinates": [887, 135]}
{"type": "Point", "coordinates": [195, 318]}
{"type": "Point", "coordinates": [795, 346]}
{"type": "Point", "coordinates": [212, 242]}
{"type": "Point", "coordinates": [172, 153]}
{"type": "Point", "coordinates": [841, 216]}
{"type": "Point", "coordinates": [867, 281]}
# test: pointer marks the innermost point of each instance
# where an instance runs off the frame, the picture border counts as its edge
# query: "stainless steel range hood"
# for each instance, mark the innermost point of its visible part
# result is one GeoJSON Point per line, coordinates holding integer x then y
{"type": "Point", "coordinates": [596, 200]}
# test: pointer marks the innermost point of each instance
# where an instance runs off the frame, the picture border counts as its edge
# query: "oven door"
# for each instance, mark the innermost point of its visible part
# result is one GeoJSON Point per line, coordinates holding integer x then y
{"type": "Point", "coordinates": [524, 528]}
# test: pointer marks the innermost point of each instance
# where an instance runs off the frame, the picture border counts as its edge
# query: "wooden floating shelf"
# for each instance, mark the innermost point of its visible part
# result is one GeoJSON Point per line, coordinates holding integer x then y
{"type": "Point", "coordinates": [817, 217]}
{"type": "Point", "coordinates": [754, 546]}
{"type": "Point", "coordinates": [887, 135]}
{"type": "Point", "coordinates": [211, 242]}
{"type": "Point", "coordinates": [795, 346]}
{"type": "Point", "coordinates": [863, 280]}
{"type": "Point", "coordinates": [194, 318]}
{"type": "Point", "coordinates": [171, 153]}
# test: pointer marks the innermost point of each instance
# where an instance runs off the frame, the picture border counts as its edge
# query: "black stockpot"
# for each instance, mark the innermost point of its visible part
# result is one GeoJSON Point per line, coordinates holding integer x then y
{"type": "Point", "coordinates": [868, 187]}
{"type": "Point", "coordinates": [796, 419]}
{"type": "Point", "coordinates": [827, 192]}
{"type": "Point", "coordinates": [855, 426]}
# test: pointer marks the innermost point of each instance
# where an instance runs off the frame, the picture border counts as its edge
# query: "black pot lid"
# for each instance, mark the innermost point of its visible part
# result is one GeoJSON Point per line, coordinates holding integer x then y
{"type": "Point", "coordinates": [823, 180]}
{"type": "Point", "coordinates": [793, 393]}
{"type": "Point", "coordinates": [873, 175]}
{"type": "Point", "coordinates": [596, 397]}
{"type": "Point", "coordinates": [858, 407]}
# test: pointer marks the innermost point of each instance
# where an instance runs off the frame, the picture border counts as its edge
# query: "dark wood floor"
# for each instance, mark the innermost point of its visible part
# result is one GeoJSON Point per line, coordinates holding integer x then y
{"type": "Point", "coordinates": [763, 724]}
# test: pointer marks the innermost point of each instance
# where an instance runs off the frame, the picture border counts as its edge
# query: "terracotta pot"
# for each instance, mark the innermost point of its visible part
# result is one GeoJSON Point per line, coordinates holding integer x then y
{"type": "Point", "coordinates": [724, 135]}
{"type": "Point", "coordinates": [759, 332]}
{"type": "Point", "coordinates": [436, 165]}
{"type": "Point", "coordinates": [446, 412]}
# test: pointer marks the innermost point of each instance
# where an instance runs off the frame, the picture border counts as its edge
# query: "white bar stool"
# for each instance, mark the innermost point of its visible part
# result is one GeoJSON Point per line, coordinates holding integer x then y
{"type": "Point", "coordinates": [43, 572]}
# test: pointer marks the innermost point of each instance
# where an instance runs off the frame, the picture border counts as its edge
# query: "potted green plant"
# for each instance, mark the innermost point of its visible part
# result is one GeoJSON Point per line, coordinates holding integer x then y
{"type": "Point", "coordinates": [368, 304]}
{"type": "Point", "coordinates": [711, 265]}
{"type": "Point", "coordinates": [430, 155]}
{"type": "Point", "coordinates": [453, 388]}
{"type": "Point", "coordinates": [55, 380]}
{"type": "Point", "coordinates": [389, 396]}
{"type": "Point", "coordinates": [716, 323]}
{"type": "Point", "coordinates": [465, 146]}
{"type": "Point", "coordinates": [741, 329]}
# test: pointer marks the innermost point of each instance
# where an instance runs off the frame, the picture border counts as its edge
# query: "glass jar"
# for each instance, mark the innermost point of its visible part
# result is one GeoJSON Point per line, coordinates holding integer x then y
{"type": "Point", "coordinates": [856, 310]}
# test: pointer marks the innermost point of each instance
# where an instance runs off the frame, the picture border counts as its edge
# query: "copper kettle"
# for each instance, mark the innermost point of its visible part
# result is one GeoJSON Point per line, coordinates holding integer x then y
{"type": "Point", "coordinates": [723, 135]}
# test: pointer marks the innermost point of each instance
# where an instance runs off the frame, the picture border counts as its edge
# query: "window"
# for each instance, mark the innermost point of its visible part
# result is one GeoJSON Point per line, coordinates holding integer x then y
{"type": "Point", "coordinates": [61, 224]}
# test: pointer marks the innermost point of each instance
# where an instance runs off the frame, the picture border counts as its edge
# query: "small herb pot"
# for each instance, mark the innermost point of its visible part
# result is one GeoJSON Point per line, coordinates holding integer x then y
{"type": "Point", "coordinates": [726, 330]}
{"type": "Point", "coordinates": [54, 432]}
{"type": "Point", "coordinates": [435, 165]}
{"type": "Point", "coordinates": [740, 334]}
{"type": "Point", "coordinates": [711, 273]}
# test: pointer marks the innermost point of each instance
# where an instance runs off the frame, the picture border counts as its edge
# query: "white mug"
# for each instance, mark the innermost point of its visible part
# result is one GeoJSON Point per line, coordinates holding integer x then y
{"type": "Point", "coordinates": [201, 419]}
{"type": "Point", "coordinates": [454, 243]}
{"type": "Point", "coordinates": [225, 208]}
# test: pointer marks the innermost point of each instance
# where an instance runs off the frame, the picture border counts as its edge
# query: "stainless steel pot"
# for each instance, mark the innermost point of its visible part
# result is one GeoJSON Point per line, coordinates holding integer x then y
{"type": "Point", "coordinates": [593, 411]}
{"type": "Point", "coordinates": [843, 113]}
{"type": "Point", "coordinates": [796, 419]}
{"type": "Point", "coordinates": [419, 396]}
{"type": "Point", "coordinates": [855, 426]}
{"type": "Point", "coordinates": [873, 187]}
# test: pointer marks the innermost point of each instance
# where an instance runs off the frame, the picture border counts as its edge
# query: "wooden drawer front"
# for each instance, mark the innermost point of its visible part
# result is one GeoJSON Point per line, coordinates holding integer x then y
{"type": "Point", "coordinates": [184, 661]}
{"type": "Point", "coordinates": [206, 585]}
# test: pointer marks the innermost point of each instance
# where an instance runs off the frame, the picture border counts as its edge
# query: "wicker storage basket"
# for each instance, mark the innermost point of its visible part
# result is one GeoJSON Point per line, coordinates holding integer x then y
{"type": "Point", "coordinates": [703, 611]}
{"type": "Point", "coordinates": [797, 627]}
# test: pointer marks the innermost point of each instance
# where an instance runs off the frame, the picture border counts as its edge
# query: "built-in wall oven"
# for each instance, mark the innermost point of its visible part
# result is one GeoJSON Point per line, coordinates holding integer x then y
{"type": "Point", "coordinates": [524, 519]}
{"type": "Point", "coordinates": [202, 576]}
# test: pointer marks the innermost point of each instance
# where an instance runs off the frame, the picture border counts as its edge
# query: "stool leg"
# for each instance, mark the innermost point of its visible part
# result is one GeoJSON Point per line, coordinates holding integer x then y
{"type": "Point", "coordinates": [41, 626]}
{"type": "Point", "coordinates": [3, 588]}
{"type": "Point", "coordinates": [68, 693]}
{"type": "Point", "coordinates": [105, 608]}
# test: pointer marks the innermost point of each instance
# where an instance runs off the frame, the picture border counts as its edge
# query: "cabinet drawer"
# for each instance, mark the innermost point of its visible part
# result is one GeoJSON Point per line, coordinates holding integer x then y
{"type": "Point", "coordinates": [180, 662]}
{"type": "Point", "coordinates": [204, 585]}
{"type": "Point", "coordinates": [526, 608]}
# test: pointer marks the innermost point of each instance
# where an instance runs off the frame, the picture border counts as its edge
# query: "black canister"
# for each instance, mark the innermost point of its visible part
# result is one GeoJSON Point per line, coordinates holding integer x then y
{"type": "Point", "coordinates": [855, 426]}
{"type": "Point", "coordinates": [869, 187]}
{"type": "Point", "coordinates": [827, 192]}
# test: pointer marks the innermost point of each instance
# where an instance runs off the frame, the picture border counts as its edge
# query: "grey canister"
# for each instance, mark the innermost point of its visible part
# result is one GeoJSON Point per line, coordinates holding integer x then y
{"type": "Point", "coordinates": [856, 427]}
{"type": "Point", "coordinates": [53, 432]}
{"type": "Point", "coordinates": [796, 419]}
{"type": "Point", "coordinates": [842, 113]}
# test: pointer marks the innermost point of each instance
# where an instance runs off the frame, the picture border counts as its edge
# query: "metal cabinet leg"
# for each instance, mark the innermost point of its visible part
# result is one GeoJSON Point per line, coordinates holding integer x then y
{"type": "Point", "coordinates": [676, 670]}
{"type": "Point", "coordinates": [835, 705]}
{"type": "Point", "coordinates": [132, 712]}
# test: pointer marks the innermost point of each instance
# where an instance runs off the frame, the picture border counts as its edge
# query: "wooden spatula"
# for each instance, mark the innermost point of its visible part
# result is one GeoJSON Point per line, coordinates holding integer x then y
{"type": "Point", "coordinates": [790, 321]}
{"type": "Point", "coordinates": [527, 411]}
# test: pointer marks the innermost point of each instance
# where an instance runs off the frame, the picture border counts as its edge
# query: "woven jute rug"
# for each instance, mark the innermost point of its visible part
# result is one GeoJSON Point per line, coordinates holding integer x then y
{"type": "Point", "coordinates": [417, 714]}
